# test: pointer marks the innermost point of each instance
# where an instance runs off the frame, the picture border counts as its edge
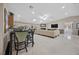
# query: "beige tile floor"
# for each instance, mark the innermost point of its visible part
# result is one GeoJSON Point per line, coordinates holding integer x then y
{"type": "Point", "coordinates": [53, 46]}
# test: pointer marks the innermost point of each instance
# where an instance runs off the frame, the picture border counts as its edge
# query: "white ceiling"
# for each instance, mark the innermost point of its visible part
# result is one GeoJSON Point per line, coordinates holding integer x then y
{"type": "Point", "coordinates": [39, 11]}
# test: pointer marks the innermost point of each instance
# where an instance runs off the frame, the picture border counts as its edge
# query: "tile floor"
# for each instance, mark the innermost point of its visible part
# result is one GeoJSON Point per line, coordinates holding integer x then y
{"type": "Point", "coordinates": [53, 46]}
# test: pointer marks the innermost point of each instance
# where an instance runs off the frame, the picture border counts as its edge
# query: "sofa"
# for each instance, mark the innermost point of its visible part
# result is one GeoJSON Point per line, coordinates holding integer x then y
{"type": "Point", "coordinates": [49, 33]}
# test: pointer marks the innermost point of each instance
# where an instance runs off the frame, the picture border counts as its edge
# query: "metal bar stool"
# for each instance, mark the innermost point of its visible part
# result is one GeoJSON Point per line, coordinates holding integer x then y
{"type": "Point", "coordinates": [30, 37]}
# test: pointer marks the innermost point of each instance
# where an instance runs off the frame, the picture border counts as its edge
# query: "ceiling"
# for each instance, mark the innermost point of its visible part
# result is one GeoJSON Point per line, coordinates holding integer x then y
{"type": "Point", "coordinates": [42, 12]}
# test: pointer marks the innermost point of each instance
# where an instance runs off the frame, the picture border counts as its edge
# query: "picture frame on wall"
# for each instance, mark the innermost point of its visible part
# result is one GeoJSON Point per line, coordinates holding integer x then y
{"type": "Point", "coordinates": [5, 20]}
{"type": "Point", "coordinates": [77, 26]}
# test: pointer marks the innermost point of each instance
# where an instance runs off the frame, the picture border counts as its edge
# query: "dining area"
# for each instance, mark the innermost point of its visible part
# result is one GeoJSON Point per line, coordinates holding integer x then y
{"type": "Point", "coordinates": [20, 38]}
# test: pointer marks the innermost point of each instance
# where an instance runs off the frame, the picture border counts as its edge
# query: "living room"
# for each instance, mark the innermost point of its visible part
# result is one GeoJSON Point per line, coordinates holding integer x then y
{"type": "Point", "coordinates": [56, 27]}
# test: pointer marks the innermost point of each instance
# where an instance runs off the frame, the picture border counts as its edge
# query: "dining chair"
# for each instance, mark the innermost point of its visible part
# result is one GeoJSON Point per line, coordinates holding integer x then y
{"type": "Point", "coordinates": [20, 40]}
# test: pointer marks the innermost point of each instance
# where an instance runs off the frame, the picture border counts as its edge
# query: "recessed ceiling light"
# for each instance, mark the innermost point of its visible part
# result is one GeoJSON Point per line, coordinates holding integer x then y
{"type": "Point", "coordinates": [34, 20]}
{"type": "Point", "coordinates": [63, 7]}
{"type": "Point", "coordinates": [33, 12]}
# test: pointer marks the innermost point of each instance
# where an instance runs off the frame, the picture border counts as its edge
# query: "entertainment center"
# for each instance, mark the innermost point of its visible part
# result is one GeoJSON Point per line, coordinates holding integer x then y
{"type": "Point", "coordinates": [45, 27]}
{"type": "Point", "coordinates": [49, 32]}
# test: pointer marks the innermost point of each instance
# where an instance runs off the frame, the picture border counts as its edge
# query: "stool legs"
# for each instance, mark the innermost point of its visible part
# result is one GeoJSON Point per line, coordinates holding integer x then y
{"type": "Point", "coordinates": [26, 47]}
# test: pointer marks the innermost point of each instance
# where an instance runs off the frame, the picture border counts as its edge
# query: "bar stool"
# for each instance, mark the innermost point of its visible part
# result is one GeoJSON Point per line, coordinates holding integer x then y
{"type": "Point", "coordinates": [21, 38]}
{"type": "Point", "coordinates": [30, 37]}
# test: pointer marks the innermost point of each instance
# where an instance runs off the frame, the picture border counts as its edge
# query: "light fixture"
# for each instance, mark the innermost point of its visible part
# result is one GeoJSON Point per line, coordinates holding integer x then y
{"type": "Point", "coordinates": [40, 17]}
{"type": "Point", "coordinates": [44, 17]}
{"type": "Point", "coordinates": [63, 7]}
{"type": "Point", "coordinates": [33, 12]}
{"type": "Point", "coordinates": [34, 20]}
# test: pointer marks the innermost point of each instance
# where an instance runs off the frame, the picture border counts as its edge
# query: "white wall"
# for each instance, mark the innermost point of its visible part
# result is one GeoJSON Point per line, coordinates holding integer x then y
{"type": "Point", "coordinates": [3, 37]}
{"type": "Point", "coordinates": [1, 28]}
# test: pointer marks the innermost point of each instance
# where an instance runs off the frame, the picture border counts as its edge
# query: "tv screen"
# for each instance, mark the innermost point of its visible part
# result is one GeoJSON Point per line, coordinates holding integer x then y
{"type": "Point", "coordinates": [54, 25]}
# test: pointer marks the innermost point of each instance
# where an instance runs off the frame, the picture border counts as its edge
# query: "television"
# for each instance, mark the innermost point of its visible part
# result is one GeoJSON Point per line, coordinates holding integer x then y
{"type": "Point", "coordinates": [54, 25]}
